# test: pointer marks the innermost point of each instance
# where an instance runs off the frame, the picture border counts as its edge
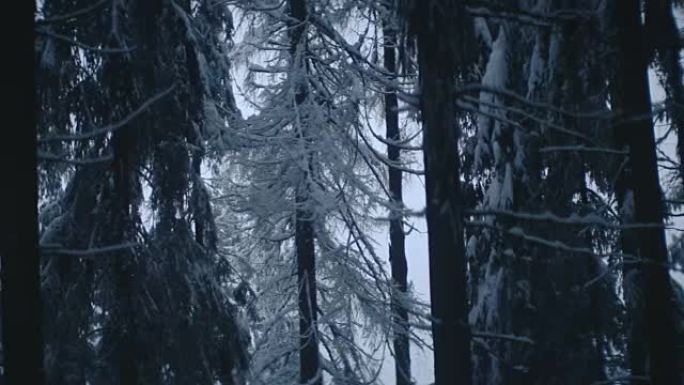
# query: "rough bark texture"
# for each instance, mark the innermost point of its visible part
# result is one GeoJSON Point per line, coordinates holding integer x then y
{"type": "Point", "coordinates": [648, 203]}
{"type": "Point", "coordinates": [397, 249]}
{"type": "Point", "coordinates": [22, 340]}
{"type": "Point", "coordinates": [441, 29]}
{"type": "Point", "coordinates": [309, 359]}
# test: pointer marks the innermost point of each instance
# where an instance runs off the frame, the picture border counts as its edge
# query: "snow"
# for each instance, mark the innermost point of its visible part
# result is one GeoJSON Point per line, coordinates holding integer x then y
{"type": "Point", "coordinates": [506, 197]}
{"type": "Point", "coordinates": [678, 277]}
{"type": "Point", "coordinates": [488, 128]}
{"type": "Point", "coordinates": [535, 69]}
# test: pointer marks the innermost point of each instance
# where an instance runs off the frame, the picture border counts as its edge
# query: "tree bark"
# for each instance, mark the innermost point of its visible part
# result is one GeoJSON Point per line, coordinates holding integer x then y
{"type": "Point", "coordinates": [397, 249]}
{"type": "Point", "coordinates": [633, 279]}
{"type": "Point", "coordinates": [22, 339]}
{"type": "Point", "coordinates": [309, 358]}
{"type": "Point", "coordinates": [127, 356]}
{"type": "Point", "coordinates": [441, 29]}
{"type": "Point", "coordinates": [648, 202]}
{"type": "Point", "coordinates": [124, 268]}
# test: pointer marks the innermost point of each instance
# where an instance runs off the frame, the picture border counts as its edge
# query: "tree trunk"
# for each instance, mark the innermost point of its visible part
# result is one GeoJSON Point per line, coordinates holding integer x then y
{"type": "Point", "coordinates": [397, 249]}
{"type": "Point", "coordinates": [124, 269]}
{"type": "Point", "coordinates": [648, 201]}
{"type": "Point", "coordinates": [632, 276]}
{"type": "Point", "coordinates": [309, 359]}
{"type": "Point", "coordinates": [442, 29]}
{"type": "Point", "coordinates": [121, 208]}
{"type": "Point", "coordinates": [22, 339]}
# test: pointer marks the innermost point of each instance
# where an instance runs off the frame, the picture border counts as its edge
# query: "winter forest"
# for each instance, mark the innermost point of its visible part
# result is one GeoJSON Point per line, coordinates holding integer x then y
{"type": "Point", "coordinates": [347, 192]}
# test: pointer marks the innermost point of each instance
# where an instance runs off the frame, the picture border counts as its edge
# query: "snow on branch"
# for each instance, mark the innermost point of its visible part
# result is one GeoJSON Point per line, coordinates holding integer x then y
{"type": "Point", "coordinates": [495, 10]}
{"type": "Point", "coordinates": [542, 121]}
{"type": "Point", "coordinates": [57, 249]}
{"type": "Point", "coordinates": [45, 156]}
{"type": "Point", "coordinates": [68, 40]}
{"type": "Point", "coordinates": [477, 87]}
{"type": "Point", "coordinates": [71, 15]}
{"type": "Point", "coordinates": [583, 148]}
{"type": "Point", "coordinates": [520, 233]}
{"type": "Point", "coordinates": [590, 219]}
{"type": "Point", "coordinates": [112, 127]}
{"type": "Point", "coordinates": [506, 337]}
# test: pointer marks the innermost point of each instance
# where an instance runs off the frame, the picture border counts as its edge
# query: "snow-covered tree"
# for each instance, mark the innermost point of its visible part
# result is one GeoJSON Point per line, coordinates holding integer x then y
{"type": "Point", "coordinates": [304, 187]}
{"type": "Point", "coordinates": [134, 301]}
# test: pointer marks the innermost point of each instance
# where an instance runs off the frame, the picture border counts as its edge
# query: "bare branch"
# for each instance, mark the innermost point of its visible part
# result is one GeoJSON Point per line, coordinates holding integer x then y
{"type": "Point", "coordinates": [57, 249]}
{"type": "Point", "coordinates": [507, 337]}
{"type": "Point", "coordinates": [82, 161]}
{"type": "Point", "coordinates": [583, 148]}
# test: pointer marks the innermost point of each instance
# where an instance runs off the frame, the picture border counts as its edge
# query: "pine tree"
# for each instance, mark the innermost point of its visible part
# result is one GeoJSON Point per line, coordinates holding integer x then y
{"type": "Point", "coordinates": [309, 359]}
{"type": "Point", "coordinates": [528, 268]}
{"type": "Point", "coordinates": [318, 148]}
{"type": "Point", "coordinates": [152, 306]}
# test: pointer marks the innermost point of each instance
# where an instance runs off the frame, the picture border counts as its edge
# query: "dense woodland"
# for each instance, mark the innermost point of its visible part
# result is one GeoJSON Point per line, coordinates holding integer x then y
{"type": "Point", "coordinates": [209, 184]}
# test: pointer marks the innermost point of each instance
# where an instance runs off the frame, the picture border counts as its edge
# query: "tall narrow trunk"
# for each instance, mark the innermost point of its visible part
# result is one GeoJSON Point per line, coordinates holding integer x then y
{"type": "Point", "coordinates": [632, 281]}
{"type": "Point", "coordinates": [199, 222]}
{"type": "Point", "coordinates": [121, 211]}
{"type": "Point", "coordinates": [124, 266]}
{"type": "Point", "coordinates": [441, 30]}
{"type": "Point", "coordinates": [632, 275]}
{"type": "Point", "coordinates": [22, 342]}
{"type": "Point", "coordinates": [648, 203]}
{"type": "Point", "coordinates": [309, 360]}
{"type": "Point", "coordinates": [397, 249]}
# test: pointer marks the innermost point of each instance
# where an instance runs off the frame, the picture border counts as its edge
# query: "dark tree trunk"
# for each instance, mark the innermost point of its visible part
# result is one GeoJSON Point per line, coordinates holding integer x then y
{"type": "Point", "coordinates": [199, 222]}
{"type": "Point", "coordinates": [441, 29]}
{"type": "Point", "coordinates": [648, 202]}
{"type": "Point", "coordinates": [127, 151]}
{"type": "Point", "coordinates": [633, 277]}
{"type": "Point", "coordinates": [124, 268]}
{"type": "Point", "coordinates": [309, 360]}
{"type": "Point", "coordinates": [121, 211]}
{"type": "Point", "coordinates": [397, 249]}
{"type": "Point", "coordinates": [22, 339]}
